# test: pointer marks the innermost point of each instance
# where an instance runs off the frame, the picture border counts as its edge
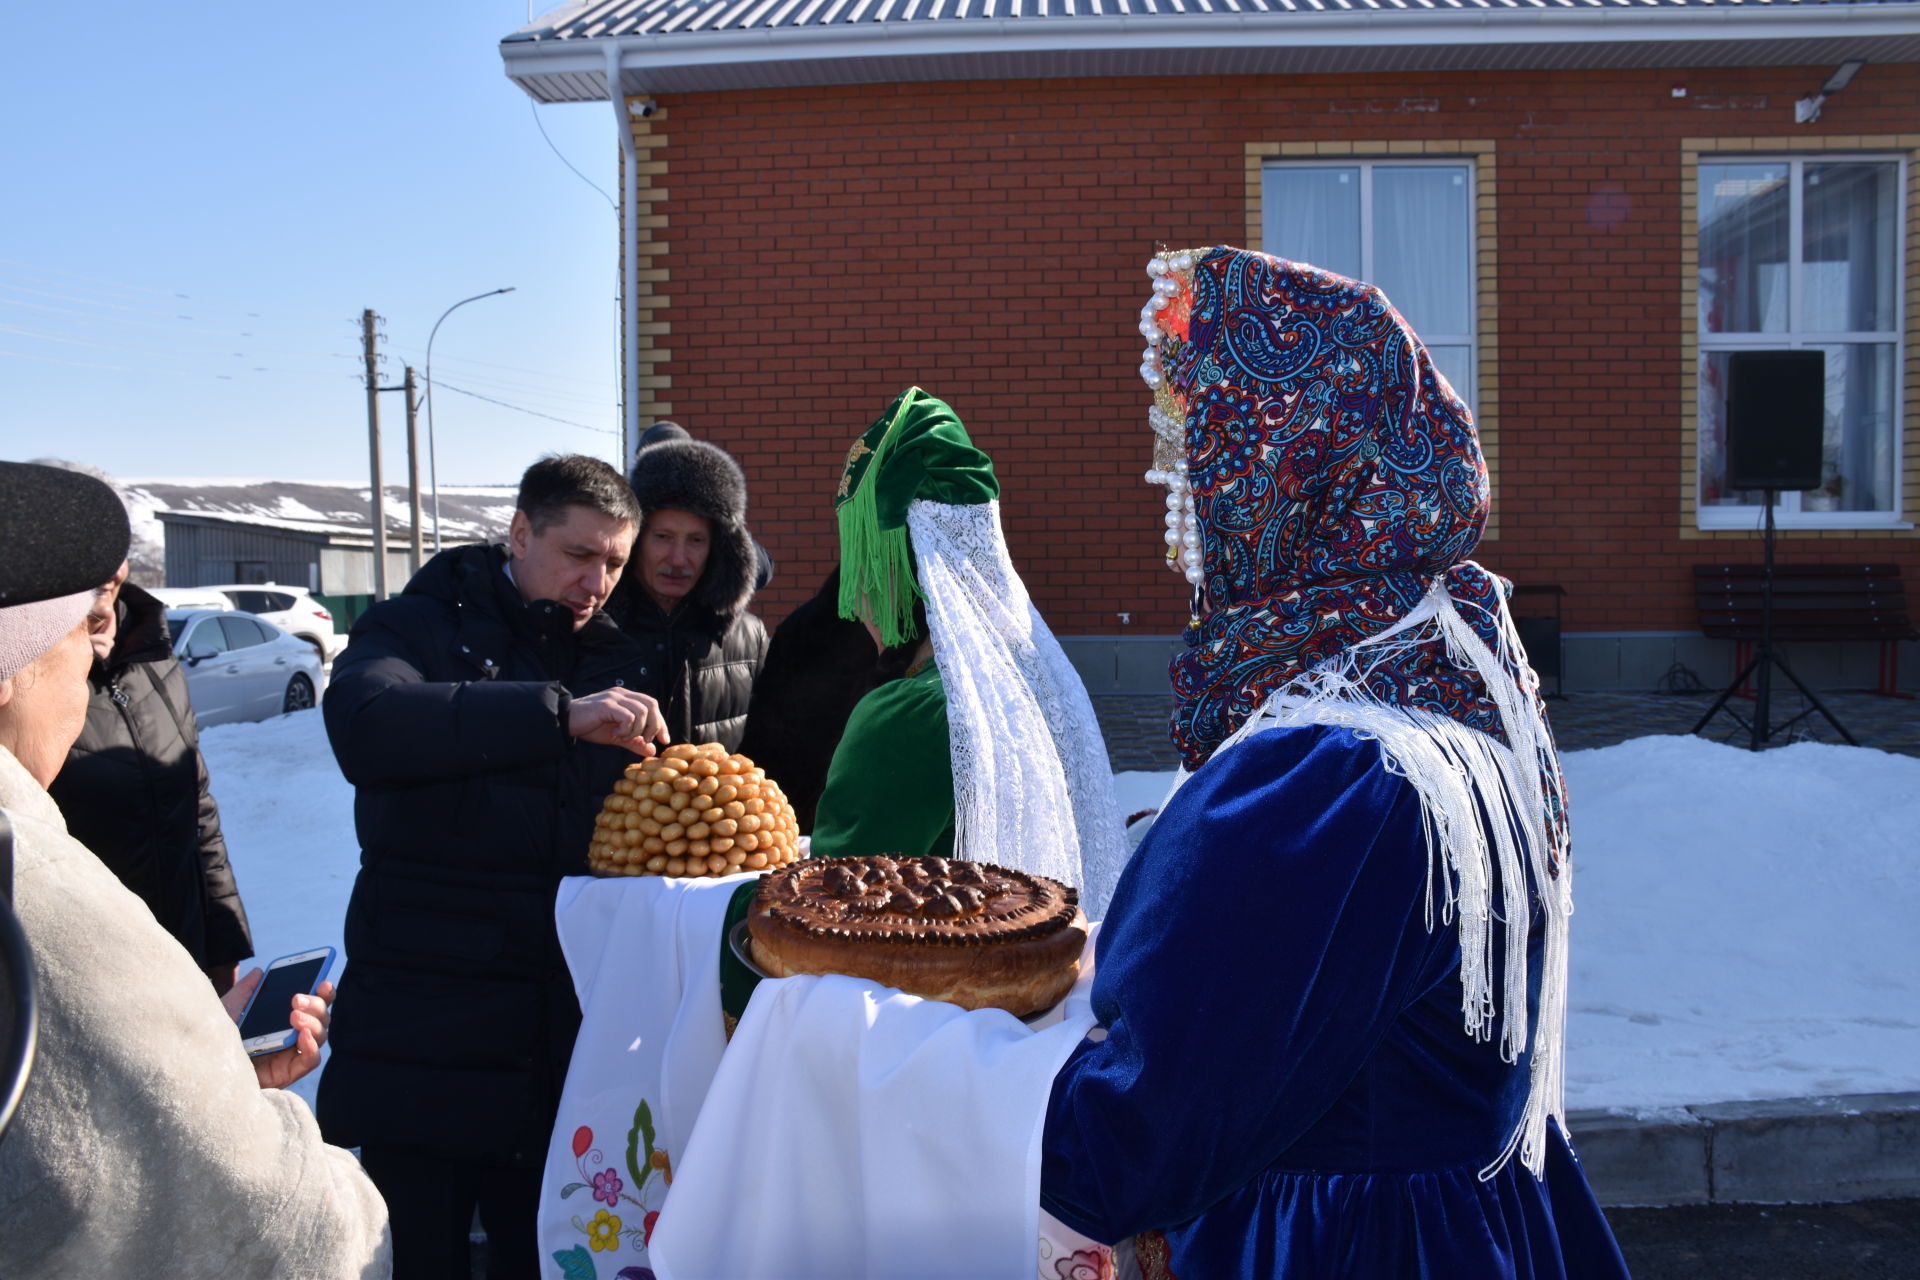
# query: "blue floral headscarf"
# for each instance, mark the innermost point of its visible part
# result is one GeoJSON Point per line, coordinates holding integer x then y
{"type": "Point", "coordinates": [1333, 475]}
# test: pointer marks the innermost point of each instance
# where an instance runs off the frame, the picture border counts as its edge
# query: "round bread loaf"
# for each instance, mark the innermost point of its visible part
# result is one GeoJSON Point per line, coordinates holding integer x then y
{"type": "Point", "coordinates": [693, 811]}
{"type": "Point", "coordinates": [979, 936]}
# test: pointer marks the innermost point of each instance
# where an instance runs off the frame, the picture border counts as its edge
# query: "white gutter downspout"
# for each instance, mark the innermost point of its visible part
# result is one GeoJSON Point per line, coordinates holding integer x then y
{"type": "Point", "coordinates": [630, 390]}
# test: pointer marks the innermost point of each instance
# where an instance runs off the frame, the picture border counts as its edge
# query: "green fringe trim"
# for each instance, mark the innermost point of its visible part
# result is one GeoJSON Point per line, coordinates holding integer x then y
{"type": "Point", "coordinates": [876, 565]}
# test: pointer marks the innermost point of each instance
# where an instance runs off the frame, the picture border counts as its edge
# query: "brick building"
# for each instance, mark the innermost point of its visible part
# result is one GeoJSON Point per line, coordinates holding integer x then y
{"type": "Point", "coordinates": [1584, 208]}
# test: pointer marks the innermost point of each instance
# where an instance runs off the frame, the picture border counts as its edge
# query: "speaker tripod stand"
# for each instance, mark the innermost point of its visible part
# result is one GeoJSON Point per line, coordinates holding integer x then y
{"type": "Point", "coordinates": [1760, 667]}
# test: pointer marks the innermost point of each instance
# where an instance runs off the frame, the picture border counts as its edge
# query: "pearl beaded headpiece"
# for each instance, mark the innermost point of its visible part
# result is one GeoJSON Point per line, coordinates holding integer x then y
{"type": "Point", "coordinates": [1163, 323]}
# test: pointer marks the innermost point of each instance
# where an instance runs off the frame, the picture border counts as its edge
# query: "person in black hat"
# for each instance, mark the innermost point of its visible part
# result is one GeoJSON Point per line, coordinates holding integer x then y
{"type": "Point", "coordinates": [145, 1138]}
{"type": "Point", "coordinates": [695, 570]}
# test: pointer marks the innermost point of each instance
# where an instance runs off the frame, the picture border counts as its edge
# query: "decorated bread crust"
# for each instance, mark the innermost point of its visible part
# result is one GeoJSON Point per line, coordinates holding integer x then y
{"type": "Point", "coordinates": [977, 935]}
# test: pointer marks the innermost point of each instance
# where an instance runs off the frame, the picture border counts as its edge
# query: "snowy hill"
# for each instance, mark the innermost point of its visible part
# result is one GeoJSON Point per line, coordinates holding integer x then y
{"type": "Point", "coordinates": [468, 513]}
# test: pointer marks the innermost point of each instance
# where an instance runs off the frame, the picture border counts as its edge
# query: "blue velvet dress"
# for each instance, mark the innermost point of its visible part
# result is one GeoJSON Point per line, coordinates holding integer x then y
{"type": "Point", "coordinates": [1285, 1088]}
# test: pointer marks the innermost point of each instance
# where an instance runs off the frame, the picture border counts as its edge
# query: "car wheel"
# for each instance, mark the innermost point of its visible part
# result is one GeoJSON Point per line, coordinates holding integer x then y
{"type": "Point", "coordinates": [299, 694]}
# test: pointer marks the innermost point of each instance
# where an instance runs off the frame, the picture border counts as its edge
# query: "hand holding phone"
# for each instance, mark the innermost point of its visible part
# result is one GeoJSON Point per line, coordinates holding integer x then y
{"type": "Point", "coordinates": [266, 1025]}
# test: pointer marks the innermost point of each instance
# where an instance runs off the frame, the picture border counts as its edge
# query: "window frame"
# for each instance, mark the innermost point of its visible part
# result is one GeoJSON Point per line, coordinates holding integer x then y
{"type": "Point", "coordinates": [1367, 165]}
{"type": "Point", "coordinates": [236, 625]}
{"type": "Point", "coordinates": [1787, 512]}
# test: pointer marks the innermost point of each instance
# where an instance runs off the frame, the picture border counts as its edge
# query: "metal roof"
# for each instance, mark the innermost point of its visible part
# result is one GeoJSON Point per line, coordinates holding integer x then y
{"type": "Point", "coordinates": [694, 45]}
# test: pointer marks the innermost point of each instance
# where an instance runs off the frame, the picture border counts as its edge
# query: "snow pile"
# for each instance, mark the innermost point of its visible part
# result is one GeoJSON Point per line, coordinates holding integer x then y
{"type": "Point", "coordinates": [1745, 925]}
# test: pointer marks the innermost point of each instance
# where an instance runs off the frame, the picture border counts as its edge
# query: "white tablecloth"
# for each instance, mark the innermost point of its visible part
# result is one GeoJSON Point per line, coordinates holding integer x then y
{"type": "Point", "coordinates": [855, 1131]}
{"type": "Point", "coordinates": [645, 957]}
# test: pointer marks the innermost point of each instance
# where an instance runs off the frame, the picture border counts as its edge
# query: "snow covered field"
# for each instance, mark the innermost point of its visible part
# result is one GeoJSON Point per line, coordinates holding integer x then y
{"type": "Point", "coordinates": [1747, 926]}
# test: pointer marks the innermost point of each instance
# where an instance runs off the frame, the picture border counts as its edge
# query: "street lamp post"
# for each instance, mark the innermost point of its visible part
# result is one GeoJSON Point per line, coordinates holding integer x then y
{"type": "Point", "coordinates": [433, 469]}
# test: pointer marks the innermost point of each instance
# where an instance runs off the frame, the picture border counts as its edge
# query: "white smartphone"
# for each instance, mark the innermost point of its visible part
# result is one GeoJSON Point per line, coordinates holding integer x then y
{"type": "Point", "coordinates": [266, 1027]}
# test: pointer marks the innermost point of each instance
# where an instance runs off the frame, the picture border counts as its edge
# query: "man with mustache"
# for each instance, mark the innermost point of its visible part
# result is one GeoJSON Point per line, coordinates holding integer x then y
{"type": "Point", "coordinates": [482, 715]}
{"type": "Point", "coordinates": [695, 569]}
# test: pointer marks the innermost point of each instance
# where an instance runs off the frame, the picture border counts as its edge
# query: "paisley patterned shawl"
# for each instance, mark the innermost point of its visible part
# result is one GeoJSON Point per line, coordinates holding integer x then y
{"type": "Point", "coordinates": [1334, 474]}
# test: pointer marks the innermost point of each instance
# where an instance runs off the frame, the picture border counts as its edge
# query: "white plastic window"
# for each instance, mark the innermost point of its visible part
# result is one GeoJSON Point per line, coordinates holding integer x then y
{"type": "Point", "coordinates": [1404, 226]}
{"type": "Point", "coordinates": [1805, 253]}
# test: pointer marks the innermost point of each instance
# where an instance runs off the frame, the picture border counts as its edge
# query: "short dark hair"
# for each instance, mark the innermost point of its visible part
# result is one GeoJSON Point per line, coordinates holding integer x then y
{"type": "Point", "coordinates": [562, 480]}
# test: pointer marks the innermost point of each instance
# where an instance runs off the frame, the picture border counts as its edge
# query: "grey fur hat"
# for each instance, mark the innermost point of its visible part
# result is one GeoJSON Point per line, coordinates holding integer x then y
{"type": "Point", "coordinates": [692, 475]}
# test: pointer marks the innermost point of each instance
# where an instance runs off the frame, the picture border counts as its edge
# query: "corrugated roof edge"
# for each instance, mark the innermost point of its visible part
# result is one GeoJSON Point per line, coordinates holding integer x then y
{"type": "Point", "coordinates": [1489, 35]}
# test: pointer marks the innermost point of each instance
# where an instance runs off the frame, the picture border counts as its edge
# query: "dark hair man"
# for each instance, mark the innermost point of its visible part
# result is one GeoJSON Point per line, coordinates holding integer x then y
{"type": "Point", "coordinates": [481, 715]}
{"type": "Point", "coordinates": [696, 567]}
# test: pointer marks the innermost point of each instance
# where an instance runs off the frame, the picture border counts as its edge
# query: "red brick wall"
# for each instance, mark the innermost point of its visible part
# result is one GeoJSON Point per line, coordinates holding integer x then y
{"type": "Point", "coordinates": [828, 247]}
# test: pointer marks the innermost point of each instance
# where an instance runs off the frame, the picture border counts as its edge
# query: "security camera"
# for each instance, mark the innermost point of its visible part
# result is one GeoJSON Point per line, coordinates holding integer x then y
{"type": "Point", "coordinates": [644, 107]}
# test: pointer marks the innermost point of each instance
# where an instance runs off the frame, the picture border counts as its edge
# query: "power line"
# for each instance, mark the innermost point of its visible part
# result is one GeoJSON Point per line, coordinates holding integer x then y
{"type": "Point", "coordinates": [535, 108]}
{"type": "Point", "coordinates": [442, 385]}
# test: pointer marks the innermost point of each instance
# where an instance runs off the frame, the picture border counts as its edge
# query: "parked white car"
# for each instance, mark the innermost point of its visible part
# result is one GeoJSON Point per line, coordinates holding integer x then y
{"type": "Point", "coordinates": [240, 667]}
{"type": "Point", "coordinates": [292, 609]}
{"type": "Point", "coordinates": [190, 597]}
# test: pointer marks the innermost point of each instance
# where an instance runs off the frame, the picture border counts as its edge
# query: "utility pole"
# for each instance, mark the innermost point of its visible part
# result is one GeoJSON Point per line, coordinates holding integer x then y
{"type": "Point", "coordinates": [367, 319]}
{"type": "Point", "coordinates": [413, 465]}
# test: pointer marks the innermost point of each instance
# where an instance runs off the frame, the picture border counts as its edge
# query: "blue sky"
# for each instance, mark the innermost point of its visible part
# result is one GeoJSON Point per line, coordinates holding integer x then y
{"type": "Point", "coordinates": [200, 200]}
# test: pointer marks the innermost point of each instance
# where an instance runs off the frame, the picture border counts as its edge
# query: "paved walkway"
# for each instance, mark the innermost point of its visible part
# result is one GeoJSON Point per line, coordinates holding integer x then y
{"type": "Point", "coordinates": [1136, 725]}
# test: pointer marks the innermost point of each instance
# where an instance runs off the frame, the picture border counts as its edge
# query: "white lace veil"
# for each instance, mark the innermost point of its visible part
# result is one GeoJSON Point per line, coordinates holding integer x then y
{"type": "Point", "coordinates": [1032, 787]}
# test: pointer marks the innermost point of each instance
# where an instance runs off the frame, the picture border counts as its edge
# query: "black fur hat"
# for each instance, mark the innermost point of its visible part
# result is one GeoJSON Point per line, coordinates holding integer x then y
{"type": "Point", "coordinates": [692, 475]}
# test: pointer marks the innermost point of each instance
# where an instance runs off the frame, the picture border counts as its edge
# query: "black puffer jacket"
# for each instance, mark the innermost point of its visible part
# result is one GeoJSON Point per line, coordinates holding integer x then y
{"type": "Point", "coordinates": [701, 670]}
{"type": "Point", "coordinates": [448, 712]}
{"type": "Point", "coordinates": [818, 667]}
{"type": "Point", "coordinates": [134, 790]}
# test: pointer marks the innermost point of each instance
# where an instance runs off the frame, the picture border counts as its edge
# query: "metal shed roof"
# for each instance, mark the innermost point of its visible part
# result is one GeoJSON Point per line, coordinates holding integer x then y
{"type": "Point", "coordinates": [693, 45]}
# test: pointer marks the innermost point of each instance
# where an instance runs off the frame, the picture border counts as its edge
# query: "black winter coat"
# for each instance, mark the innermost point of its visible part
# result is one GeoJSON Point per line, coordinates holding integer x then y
{"type": "Point", "coordinates": [818, 668]}
{"type": "Point", "coordinates": [447, 711]}
{"type": "Point", "coordinates": [700, 669]}
{"type": "Point", "coordinates": [134, 790]}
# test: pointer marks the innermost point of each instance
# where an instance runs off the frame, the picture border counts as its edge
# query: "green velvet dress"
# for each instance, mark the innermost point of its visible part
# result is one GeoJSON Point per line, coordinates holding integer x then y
{"type": "Point", "coordinates": [889, 790]}
{"type": "Point", "coordinates": [890, 787]}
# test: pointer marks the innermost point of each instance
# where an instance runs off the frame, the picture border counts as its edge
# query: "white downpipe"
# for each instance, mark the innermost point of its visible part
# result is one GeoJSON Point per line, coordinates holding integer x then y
{"type": "Point", "coordinates": [630, 390]}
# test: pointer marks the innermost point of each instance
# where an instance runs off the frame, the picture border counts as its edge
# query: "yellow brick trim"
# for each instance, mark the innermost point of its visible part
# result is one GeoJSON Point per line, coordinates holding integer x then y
{"type": "Point", "coordinates": [652, 328]}
{"type": "Point", "coordinates": [1483, 151]}
{"type": "Point", "coordinates": [1691, 151]}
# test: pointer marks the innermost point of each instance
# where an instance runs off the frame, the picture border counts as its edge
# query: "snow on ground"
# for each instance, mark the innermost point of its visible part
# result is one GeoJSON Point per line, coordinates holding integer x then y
{"type": "Point", "coordinates": [1745, 924]}
{"type": "Point", "coordinates": [287, 815]}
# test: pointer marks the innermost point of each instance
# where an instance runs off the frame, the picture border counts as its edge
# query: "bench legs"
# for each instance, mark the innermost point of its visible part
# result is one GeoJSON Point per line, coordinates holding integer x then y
{"type": "Point", "coordinates": [1890, 670]}
{"type": "Point", "coordinates": [1888, 686]}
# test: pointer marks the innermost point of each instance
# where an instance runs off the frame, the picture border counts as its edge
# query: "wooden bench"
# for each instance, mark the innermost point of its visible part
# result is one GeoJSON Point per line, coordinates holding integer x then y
{"type": "Point", "coordinates": [1852, 602]}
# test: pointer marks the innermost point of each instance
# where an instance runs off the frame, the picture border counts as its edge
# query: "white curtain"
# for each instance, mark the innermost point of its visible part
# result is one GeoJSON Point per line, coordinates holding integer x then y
{"type": "Point", "coordinates": [1421, 223]}
{"type": "Point", "coordinates": [1312, 215]}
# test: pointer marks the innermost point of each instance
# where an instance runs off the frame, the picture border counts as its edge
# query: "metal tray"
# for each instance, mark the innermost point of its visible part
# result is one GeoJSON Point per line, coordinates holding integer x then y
{"type": "Point", "coordinates": [740, 941]}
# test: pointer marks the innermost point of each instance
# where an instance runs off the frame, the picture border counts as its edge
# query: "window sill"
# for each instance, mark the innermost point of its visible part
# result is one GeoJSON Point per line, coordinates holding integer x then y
{"type": "Point", "coordinates": [1751, 520]}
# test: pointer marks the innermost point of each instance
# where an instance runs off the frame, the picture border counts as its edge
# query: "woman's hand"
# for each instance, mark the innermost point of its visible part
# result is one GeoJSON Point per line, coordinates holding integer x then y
{"type": "Point", "coordinates": [310, 1018]}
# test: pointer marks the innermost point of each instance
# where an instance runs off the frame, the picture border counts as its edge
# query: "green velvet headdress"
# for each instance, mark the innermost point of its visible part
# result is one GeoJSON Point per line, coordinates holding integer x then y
{"type": "Point", "coordinates": [917, 449]}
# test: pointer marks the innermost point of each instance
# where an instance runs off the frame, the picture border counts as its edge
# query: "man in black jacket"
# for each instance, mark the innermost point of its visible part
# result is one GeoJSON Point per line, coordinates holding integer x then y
{"type": "Point", "coordinates": [686, 601]}
{"type": "Point", "coordinates": [134, 788]}
{"type": "Point", "coordinates": [482, 716]}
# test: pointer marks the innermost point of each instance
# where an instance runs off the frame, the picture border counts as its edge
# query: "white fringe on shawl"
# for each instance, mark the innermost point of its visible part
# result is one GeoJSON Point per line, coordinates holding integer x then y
{"type": "Point", "coordinates": [1460, 775]}
{"type": "Point", "coordinates": [1032, 787]}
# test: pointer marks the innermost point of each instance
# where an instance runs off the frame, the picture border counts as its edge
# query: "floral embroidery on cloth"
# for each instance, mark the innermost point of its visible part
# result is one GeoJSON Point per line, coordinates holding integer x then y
{"type": "Point", "coordinates": [1065, 1254]}
{"type": "Point", "coordinates": [608, 1231]}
